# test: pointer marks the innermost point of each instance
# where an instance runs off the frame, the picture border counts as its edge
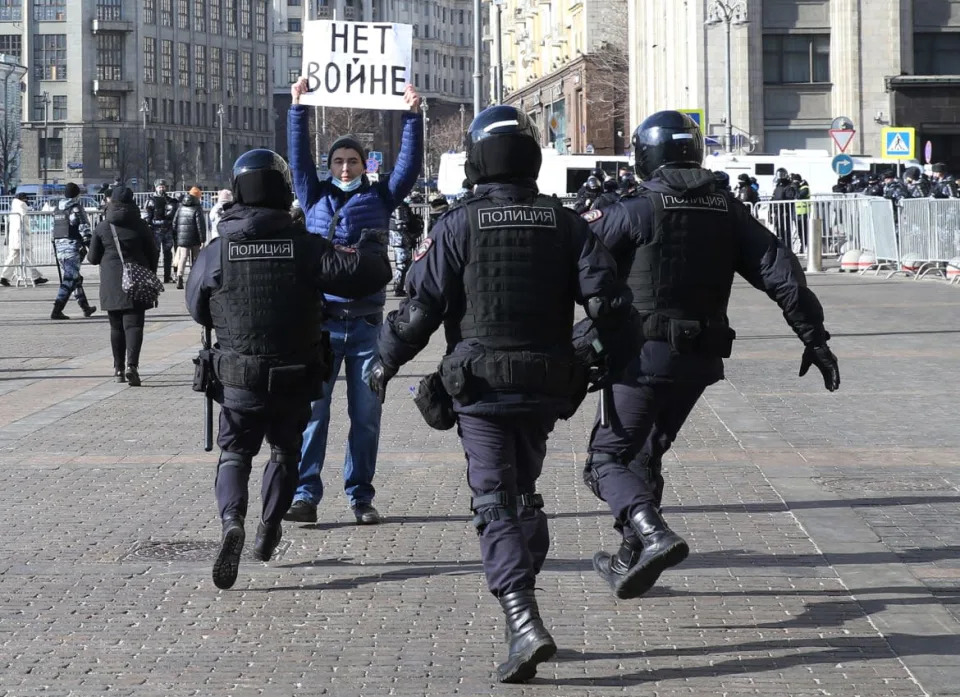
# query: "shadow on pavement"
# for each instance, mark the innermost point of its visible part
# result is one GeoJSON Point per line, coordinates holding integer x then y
{"type": "Point", "coordinates": [777, 507]}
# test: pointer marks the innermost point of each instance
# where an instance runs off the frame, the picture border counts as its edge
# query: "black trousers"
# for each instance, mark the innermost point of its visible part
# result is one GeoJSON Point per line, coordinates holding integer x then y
{"type": "Point", "coordinates": [126, 336]}
{"type": "Point", "coordinates": [505, 454]}
{"type": "Point", "coordinates": [241, 435]}
{"type": "Point", "coordinates": [644, 421]}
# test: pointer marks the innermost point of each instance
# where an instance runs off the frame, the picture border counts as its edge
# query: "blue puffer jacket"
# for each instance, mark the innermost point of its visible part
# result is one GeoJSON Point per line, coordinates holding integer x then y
{"type": "Point", "coordinates": [369, 206]}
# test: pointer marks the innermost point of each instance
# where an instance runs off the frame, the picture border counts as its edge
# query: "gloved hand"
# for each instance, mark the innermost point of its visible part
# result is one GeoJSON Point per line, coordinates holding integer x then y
{"type": "Point", "coordinates": [378, 377]}
{"type": "Point", "coordinates": [822, 357]}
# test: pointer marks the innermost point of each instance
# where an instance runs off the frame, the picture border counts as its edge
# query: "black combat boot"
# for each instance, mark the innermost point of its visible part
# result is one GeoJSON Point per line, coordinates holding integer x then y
{"type": "Point", "coordinates": [529, 641]}
{"type": "Point", "coordinates": [58, 310]}
{"type": "Point", "coordinates": [179, 282]}
{"type": "Point", "coordinates": [87, 308]}
{"type": "Point", "coordinates": [662, 548]}
{"type": "Point", "coordinates": [613, 567]}
{"type": "Point", "coordinates": [268, 539]}
{"type": "Point", "coordinates": [227, 564]}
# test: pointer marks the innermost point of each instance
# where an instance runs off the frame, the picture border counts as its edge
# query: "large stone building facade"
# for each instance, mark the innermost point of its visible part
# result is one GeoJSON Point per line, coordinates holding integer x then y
{"type": "Point", "coordinates": [798, 64]}
{"type": "Point", "coordinates": [564, 63]}
{"type": "Point", "coordinates": [138, 88]}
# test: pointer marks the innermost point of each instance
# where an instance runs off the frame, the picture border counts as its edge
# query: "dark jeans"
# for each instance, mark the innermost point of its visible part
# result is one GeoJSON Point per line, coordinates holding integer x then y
{"type": "Point", "coordinates": [241, 435]}
{"type": "Point", "coordinates": [505, 454]}
{"type": "Point", "coordinates": [126, 336]}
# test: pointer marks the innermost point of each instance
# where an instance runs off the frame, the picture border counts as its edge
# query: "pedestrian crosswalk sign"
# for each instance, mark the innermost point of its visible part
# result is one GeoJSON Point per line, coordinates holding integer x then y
{"type": "Point", "coordinates": [898, 143]}
{"type": "Point", "coordinates": [695, 114]}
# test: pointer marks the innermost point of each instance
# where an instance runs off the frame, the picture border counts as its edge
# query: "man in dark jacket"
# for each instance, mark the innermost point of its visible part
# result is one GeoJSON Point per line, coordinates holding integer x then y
{"type": "Point", "coordinates": [943, 184]}
{"type": "Point", "coordinates": [745, 191]}
{"type": "Point", "coordinates": [71, 237]}
{"type": "Point", "coordinates": [502, 273]}
{"type": "Point", "coordinates": [259, 285]}
{"type": "Point", "coordinates": [340, 208]}
{"type": "Point", "coordinates": [137, 246]}
{"type": "Point", "coordinates": [610, 195]}
{"type": "Point", "coordinates": [783, 190]}
{"type": "Point", "coordinates": [190, 228]}
{"type": "Point", "coordinates": [159, 212]}
{"type": "Point", "coordinates": [587, 194]}
{"type": "Point", "coordinates": [405, 230]}
{"type": "Point", "coordinates": [916, 182]}
{"type": "Point", "coordinates": [679, 243]}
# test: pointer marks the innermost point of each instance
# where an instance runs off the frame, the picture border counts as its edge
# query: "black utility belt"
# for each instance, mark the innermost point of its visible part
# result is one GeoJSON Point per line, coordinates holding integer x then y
{"type": "Point", "coordinates": [690, 336]}
{"type": "Point", "coordinates": [465, 378]}
{"type": "Point", "coordinates": [272, 376]}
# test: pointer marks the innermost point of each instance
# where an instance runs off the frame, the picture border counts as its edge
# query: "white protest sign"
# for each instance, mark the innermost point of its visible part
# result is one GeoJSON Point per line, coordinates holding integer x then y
{"type": "Point", "coordinates": [364, 65]}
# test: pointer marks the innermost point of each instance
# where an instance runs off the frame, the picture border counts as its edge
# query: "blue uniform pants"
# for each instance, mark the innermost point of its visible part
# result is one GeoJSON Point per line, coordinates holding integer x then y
{"type": "Point", "coordinates": [505, 454]}
{"type": "Point", "coordinates": [69, 255]}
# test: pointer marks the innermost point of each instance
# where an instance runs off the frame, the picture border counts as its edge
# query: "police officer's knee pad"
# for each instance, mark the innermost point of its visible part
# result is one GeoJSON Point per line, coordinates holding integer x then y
{"type": "Point", "coordinates": [228, 459]}
{"type": "Point", "coordinates": [288, 458]}
{"type": "Point", "coordinates": [596, 463]}
{"type": "Point", "coordinates": [529, 504]}
{"type": "Point", "coordinates": [490, 507]}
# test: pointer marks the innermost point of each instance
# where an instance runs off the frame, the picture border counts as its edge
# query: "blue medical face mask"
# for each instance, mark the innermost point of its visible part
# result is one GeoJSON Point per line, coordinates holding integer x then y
{"type": "Point", "coordinates": [352, 185]}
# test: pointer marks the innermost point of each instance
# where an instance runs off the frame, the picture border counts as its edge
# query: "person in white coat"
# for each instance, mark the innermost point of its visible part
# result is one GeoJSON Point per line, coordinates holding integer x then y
{"type": "Point", "coordinates": [18, 243]}
{"type": "Point", "coordinates": [224, 197]}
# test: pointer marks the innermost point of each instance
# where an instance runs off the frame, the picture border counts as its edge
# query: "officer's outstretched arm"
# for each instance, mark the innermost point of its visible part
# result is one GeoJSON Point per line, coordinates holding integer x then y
{"type": "Point", "coordinates": [204, 278]}
{"type": "Point", "coordinates": [598, 288]}
{"type": "Point", "coordinates": [351, 272]}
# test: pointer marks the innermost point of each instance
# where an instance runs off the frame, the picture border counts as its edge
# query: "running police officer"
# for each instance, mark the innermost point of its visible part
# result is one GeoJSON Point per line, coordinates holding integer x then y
{"type": "Point", "coordinates": [160, 211]}
{"type": "Point", "coordinates": [680, 242]}
{"type": "Point", "coordinates": [71, 238]}
{"type": "Point", "coordinates": [259, 285]}
{"type": "Point", "coordinates": [502, 273]}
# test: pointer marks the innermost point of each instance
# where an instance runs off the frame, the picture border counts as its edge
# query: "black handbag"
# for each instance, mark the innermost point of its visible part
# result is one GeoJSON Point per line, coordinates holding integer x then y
{"type": "Point", "coordinates": [139, 282]}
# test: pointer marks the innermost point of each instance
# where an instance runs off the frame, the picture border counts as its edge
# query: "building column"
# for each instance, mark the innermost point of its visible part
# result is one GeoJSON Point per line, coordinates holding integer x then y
{"type": "Point", "coordinates": [845, 70]}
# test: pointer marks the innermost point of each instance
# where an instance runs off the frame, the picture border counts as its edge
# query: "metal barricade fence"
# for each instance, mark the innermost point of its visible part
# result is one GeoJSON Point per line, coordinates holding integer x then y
{"type": "Point", "coordinates": [929, 234]}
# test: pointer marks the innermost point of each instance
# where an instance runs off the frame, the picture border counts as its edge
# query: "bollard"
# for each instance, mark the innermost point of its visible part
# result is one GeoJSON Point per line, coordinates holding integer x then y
{"type": "Point", "coordinates": [814, 250]}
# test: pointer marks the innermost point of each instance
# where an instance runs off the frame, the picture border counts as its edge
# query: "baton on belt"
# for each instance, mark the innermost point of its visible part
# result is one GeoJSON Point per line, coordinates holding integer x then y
{"type": "Point", "coordinates": [56, 260]}
{"type": "Point", "coordinates": [604, 407]}
{"type": "Point", "coordinates": [207, 404]}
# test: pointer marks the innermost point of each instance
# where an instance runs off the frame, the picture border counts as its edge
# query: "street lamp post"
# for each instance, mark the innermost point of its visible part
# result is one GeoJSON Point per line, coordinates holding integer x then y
{"type": "Point", "coordinates": [425, 108]}
{"type": "Point", "coordinates": [220, 116]}
{"type": "Point", "coordinates": [728, 13]}
{"type": "Point", "coordinates": [497, 67]}
{"type": "Point", "coordinates": [45, 96]}
{"type": "Point", "coordinates": [144, 108]}
{"type": "Point", "coordinates": [463, 112]}
{"type": "Point", "coordinates": [477, 75]}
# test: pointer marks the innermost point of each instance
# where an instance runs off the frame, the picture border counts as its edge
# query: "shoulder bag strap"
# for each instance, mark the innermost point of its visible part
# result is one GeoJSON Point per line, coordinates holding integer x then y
{"type": "Point", "coordinates": [116, 242]}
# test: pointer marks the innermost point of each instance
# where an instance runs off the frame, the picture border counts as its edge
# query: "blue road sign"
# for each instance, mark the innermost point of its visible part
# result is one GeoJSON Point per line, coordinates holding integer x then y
{"type": "Point", "coordinates": [377, 155]}
{"type": "Point", "coordinates": [842, 165]}
{"type": "Point", "coordinates": [898, 143]}
{"type": "Point", "coordinates": [372, 165]}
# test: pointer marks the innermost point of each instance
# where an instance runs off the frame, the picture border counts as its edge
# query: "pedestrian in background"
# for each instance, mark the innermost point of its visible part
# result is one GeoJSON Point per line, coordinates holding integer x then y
{"type": "Point", "coordinates": [224, 197]}
{"type": "Point", "coordinates": [71, 236]}
{"type": "Point", "coordinates": [18, 243]}
{"type": "Point", "coordinates": [160, 211]}
{"type": "Point", "coordinates": [122, 222]}
{"type": "Point", "coordinates": [190, 228]}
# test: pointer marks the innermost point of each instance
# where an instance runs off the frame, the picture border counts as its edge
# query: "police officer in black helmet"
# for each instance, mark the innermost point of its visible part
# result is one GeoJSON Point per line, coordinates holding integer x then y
{"type": "Point", "coordinates": [679, 242]}
{"type": "Point", "coordinates": [502, 273]}
{"type": "Point", "coordinates": [259, 285]}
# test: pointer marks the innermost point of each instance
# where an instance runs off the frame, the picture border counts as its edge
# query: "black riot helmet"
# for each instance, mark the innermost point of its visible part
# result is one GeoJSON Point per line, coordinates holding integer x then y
{"type": "Point", "coordinates": [261, 178]}
{"type": "Point", "coordinates": [667, 138]}
{"type": "Point", "coordinates": [609, 185]}
{"type": "Point", "coordinates": [593, 184]}
{"type": "Point", "coordinates": [502, 144]}
{"type": "Point", "coordinates": [782, 173]}
{"type": "Point", "coordinates": [722, 179]}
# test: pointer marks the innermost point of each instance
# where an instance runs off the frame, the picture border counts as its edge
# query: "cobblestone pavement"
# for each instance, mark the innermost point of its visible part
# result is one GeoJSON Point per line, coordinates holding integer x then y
{"type": "Point", "coordinates": [824, 530]}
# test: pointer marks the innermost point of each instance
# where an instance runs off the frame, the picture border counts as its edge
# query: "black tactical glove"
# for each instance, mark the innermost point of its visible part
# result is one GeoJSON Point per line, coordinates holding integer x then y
{"type": "Point", "coordinates": [378, 377]}
{"type": "Point", "coordinates": [822, 357]}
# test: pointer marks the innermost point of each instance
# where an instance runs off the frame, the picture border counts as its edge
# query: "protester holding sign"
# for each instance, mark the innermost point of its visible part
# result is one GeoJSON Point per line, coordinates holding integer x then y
{"type": "Point", "coordinates": [341, 207]}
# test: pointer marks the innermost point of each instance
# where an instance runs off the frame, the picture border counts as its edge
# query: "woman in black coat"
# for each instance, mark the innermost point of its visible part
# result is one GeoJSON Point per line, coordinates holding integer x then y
{"type": "Point", "coordinates": [138, 245]}
{"type": "Point", "coordinates": [190, 227]}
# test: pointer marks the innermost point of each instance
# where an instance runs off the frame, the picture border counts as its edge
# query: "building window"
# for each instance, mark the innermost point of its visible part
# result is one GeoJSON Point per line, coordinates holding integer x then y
{"type": "Point", "coordinates": [166, 13]}
{"type": "Point", "coordinates": [183, 14]}
{"type": "Point", "coordinates": [109, 56]}
{"type": "Point", "coordinates": [11, 44]}
{"type": "Point", "coordinates": [109, 10]}
{"type": "Point", "coordinates": [215, 16]}
{"type": "Point", "coordinates": [108, 107]}
{"type": "Point", "coordinates": [796, 58]}
{"type": "Point", "coordinates": [51, 152]}
{"type": "Point", "coordinates": [215, 71]}
{"type": "Point", "coordinates": [260, 19]}
{"type": "Point", "coordinates": [231, 71]}
{"type": "Point", "coordinates": [293, 3]}
{"type": "Point", "coordinates": [293, 75]}
{"type": "Point", "coordinates": [261, 73]}
{"type": "Point", "coordinates": [183, 64]}
{"type": "Point", "coordinates": [59, 107]}
{"type": "Point", "coordinates": [246, 82]}
{"type": "Point", "coordinates": [39, 108]}
{"type": "Point", "coordinates": [109, 153]}
{"type": "Point", "coordinates": [166, 62]}
{"type": "Point", "coordinates": [293, 26]}
{"type": "Point", "coordinates": [149, 12]}
{"type": "Point", "coordinates": [293, 50]}
{"type": "Point", "coordinates": [936, 54]}
{"type": "Point", "coordinates": [230, 16]}
{"type": "Point", "coordinates": [200, 65]}
{"type": "Point", "coordinates": [11, 10]}
{"type": "Point", "coordinates": [149, 59]}
{"type": "Point", "coordinates": [200, 15]}
{"type": "Point", "coordinates": [245, 18]}
{"type": "Point", "coordinates": [50, 56]}
{"type": "Point", "coordinates": [50, 10]}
